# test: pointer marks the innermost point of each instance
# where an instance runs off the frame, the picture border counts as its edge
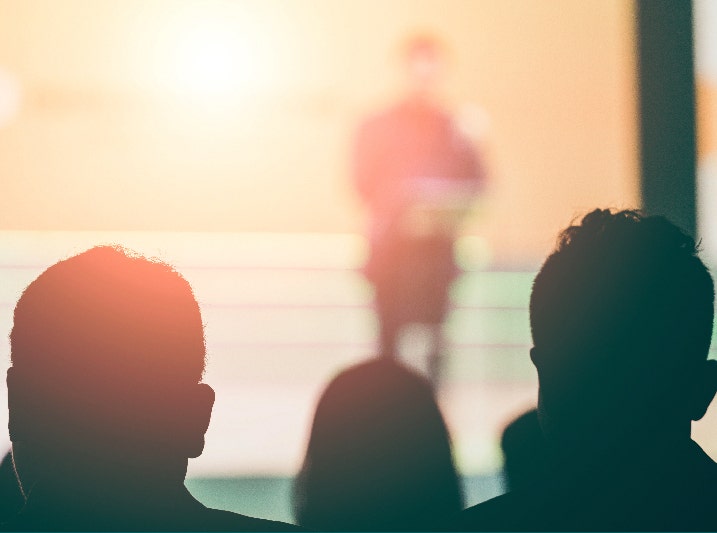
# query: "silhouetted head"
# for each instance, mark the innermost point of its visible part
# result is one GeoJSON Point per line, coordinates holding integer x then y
{"type": "Point", "coordinates": [621, 316]}
{"type": "Point", "coordinates": [525, 456]}
{"type": "Point", "coordinates": [107, 354]}
{"type": "Point", "coordinates": [424, 59]}
{"type": "Point", "coordinates": [379, 455]}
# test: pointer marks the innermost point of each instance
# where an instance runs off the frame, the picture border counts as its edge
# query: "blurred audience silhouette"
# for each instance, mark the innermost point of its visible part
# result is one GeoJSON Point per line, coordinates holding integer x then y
{"type": "Point", "coordinates": [525, 455]}
{"type": "Point", "coordinates": [621, 316]}
{"type": "Point", "coordinates": [379, 454]}
{"type": "Point", "coordinates": [105, 398]}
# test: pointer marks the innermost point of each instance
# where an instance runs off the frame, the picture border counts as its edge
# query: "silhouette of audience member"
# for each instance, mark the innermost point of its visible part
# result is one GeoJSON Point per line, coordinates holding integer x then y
{"type": "Point", "coordinates": [525, 457]}
{"type": "Point", "coordinates": [11, 498]}
{"type": "Point", "coordinates": [106, 401]}
{"type": "Point", "coordinates": [379, 454]}
{"type": "Point", "coordinates": [621, 317]}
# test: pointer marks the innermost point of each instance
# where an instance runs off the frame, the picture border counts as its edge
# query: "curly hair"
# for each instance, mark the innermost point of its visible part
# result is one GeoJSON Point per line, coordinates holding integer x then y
{"type": "Point", "coordinates": [619, 280]}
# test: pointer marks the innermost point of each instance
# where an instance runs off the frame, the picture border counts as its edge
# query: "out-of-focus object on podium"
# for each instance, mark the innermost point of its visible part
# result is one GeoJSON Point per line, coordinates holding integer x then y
{"type": "Point", "coordinates": [436, 206]}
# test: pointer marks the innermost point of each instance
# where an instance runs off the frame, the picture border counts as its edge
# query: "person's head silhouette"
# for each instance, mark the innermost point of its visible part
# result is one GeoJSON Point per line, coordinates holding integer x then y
{"type": "Point", "coordinates": [525, 459]}
{"type": "Point", "coordinates": [379, 455]}
{"type": "Point", "coordinates": [107, 354]}
{"type": "Point", "coordinates": [621, 317]}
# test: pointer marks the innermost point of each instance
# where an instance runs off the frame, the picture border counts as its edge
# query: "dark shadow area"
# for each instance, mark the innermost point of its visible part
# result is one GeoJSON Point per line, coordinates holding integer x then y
{"type": "Point", "coordinates": [525, 452]}
{"type": "Point", "coordinates": [11, 498]}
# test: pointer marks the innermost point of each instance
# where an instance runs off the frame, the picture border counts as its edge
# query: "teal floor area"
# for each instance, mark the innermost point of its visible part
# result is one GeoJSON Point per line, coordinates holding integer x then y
{"type": "Point", "coordinates": [270, 497]}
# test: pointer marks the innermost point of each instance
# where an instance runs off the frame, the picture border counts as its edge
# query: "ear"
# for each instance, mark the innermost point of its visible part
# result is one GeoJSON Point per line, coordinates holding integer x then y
{"type": "Point", "coordinates": [200, 415]}
{"type": "Point", "coordinates": [704, 389]}
{"type": "Point", "coordinates": [533, 354]}
{"type": "Point", "coordinates": [536, 356]}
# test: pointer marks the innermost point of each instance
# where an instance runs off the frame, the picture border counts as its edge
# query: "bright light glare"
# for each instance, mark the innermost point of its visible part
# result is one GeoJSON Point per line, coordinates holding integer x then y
{"type": "Point", "coordinates": [212, 52]}
{"type": "Point", "coordinates": [10, 97]}
{"type": "Point", "coordinates": [211, 60]}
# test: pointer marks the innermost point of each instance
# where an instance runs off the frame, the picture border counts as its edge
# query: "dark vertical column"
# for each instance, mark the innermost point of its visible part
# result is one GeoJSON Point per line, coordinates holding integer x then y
{"type": "Point", "coordinates": [667, 110]}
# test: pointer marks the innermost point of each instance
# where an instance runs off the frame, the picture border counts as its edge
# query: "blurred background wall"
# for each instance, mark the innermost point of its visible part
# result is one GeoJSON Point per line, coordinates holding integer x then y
{"type": "Point", "coordinates": [238, 116]}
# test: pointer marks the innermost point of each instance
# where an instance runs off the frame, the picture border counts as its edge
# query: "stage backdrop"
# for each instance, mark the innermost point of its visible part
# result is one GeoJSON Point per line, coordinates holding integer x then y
{"type": "Point", "coordinates": [238, 116]}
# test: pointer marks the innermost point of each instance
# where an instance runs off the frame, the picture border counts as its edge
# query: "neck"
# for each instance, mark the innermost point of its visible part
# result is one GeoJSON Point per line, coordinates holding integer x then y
{"type": "Point", "coordinates": [119, 503]}
{"type": "Point", "coordinates": [69, 481]}
{"type": "Point", "coordinates": [636, 450]}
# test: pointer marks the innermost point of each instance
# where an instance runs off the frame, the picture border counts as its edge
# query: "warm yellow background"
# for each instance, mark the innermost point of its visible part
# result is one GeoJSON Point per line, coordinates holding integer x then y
{"type": "Point", "coordinates": [108, 137]}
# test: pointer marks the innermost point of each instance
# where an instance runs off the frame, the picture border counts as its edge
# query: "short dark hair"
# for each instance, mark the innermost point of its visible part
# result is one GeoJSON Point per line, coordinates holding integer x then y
{"type": "Point", "coordinates": [621, 280]}
{"type": "Point", "coordinates": [106, 333]}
